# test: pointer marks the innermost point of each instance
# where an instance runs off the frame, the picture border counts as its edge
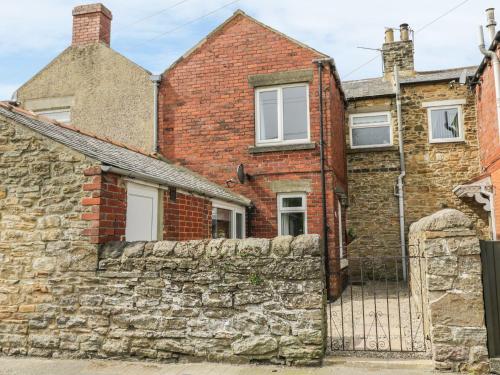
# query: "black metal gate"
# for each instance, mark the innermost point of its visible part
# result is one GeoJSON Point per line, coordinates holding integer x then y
{"type": "Point", "coordinates": [378, 305]}
{"type": "Point", "coordinates": [490, 259]}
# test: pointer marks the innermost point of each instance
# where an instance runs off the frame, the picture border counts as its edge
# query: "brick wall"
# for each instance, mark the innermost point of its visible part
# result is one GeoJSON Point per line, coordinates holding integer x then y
{"type": "Point", "coordinates": [91, 24]}
{"type": "Point", "coordinates": [187, 217]}
{"type": "Point", "coordinates": [206, 120]}
{"type": "Point", "coordinates": [108, 205]}
{"type": "Point", "coordinates": [489, 134]}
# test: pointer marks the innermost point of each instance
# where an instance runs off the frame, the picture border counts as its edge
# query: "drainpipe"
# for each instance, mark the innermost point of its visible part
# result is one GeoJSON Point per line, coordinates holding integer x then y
{"type": "Point", "coordinates": [322, 168]}
{"type": "Point", "coordinates": [401, 176]}
{"type": "Point", "coordinates": [492, 212]}
{"type": "Point", "coordinates": [156, 79]}
{"type": "Point", "coordinates": [493, 56]}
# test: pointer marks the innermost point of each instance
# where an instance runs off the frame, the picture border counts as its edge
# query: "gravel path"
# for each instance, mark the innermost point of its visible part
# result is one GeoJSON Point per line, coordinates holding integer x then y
{"type": "Point", "coordinates": [376, 316]}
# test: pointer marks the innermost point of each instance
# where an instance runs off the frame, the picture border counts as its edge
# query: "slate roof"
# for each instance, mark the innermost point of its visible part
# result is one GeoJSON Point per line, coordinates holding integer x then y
{"type": "Point", "coordinates": [373, 87]}
{"type": "Point", "coordinates": [148, 167]}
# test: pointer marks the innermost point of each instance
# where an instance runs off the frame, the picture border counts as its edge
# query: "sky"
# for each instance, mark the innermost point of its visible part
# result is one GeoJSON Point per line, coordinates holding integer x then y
{"type": "Point", "coordinates": [154, 33]}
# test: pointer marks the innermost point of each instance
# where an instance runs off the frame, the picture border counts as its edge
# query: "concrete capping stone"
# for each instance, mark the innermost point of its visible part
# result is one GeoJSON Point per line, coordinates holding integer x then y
{"type": "Point", "coordinates": [447, 219]}
{"type": "Point", "coordinates": [281, 78]}
{"type": "Point", "coordinates": [278, 148]}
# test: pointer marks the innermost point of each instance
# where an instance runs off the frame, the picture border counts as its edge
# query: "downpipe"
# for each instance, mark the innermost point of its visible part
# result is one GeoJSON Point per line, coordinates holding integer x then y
{"type": "Point", "coordinates": [496, 69]}
{"type": "Point", "coordinates": [401, 176]}
{"type": "Point", "coordinates": [156, 79]}
{"type": "Point", "coordinates": [322, 170]}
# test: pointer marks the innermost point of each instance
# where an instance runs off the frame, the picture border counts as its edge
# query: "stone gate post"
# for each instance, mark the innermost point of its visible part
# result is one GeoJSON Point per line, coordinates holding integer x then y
{"type": "Point", "coordinates": [452, 290]}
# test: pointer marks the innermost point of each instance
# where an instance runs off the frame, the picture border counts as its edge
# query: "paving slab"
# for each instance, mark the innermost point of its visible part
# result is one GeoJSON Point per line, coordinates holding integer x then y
{"type": "Point", "coordinates": [341, 366]}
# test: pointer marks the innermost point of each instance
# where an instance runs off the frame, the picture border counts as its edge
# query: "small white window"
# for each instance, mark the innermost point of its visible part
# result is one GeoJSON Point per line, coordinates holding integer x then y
{"type": "Point", "coordinates": [445, 119]}
{"type": "Point", "coordinates": [228, 221]}
{"type": "Point", "coordinates": [61, 115]}
{"type": "Point", "coordinates": [292, 214]}
{"type": "Point", "coordinates": [142, 213]}
{"type": "Point", "coordinates": [282, 114]}
{"type": "Point", "coordinates": [370, 130]}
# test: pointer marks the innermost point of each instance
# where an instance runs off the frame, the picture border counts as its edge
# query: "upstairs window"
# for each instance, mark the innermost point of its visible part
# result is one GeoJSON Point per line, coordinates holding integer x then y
{"type": "Point", "coordinates": [292, 213]}
{"type": "Point", "coordinates": [370, 130]}
{"type": "Point", "coordinates": [62, 115]}
{"type": "Point", "coordinates": [282, 114]}
{"type": "Point", "coordinates": [445, 120]}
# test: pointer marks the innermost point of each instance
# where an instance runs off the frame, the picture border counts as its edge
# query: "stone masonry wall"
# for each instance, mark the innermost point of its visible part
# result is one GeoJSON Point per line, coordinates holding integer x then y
{"type": "Point", "coordinates": [238, 301]}
{"type": "Point", "coordinates": [452, 290]}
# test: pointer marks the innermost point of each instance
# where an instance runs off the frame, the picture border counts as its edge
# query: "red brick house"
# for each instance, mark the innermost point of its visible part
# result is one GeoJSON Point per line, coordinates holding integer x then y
{"type": "Point", "coordinates": [486, 186]}
{"type": "Point", "coordinates": [247, 94]}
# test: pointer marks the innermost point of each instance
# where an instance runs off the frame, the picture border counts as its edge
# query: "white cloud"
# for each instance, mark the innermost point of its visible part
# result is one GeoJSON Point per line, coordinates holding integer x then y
{"type": "Point", "coordinates": [334, 27]}
{"type": "Point", "coordinates": [7, 90]}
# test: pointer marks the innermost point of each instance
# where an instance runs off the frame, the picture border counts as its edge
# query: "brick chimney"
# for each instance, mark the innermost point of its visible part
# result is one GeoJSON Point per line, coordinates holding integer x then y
{"type": "Point", "coordinates": [91, 24]}
{"type": "Point", "coordinates": [400, 52]}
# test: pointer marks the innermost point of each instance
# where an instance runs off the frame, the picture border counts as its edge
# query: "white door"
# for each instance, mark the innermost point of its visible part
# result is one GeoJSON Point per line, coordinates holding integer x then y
{"type": "Point", "coordinates": [142, 213]}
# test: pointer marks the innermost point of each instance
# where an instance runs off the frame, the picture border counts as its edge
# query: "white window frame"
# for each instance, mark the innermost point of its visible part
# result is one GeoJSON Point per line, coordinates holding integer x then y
{"type": "Point", "coordinates": [280, 140]}
{"type": "Point", "coordinates": [47, 112]}
{"type": "Point", "coordinates": [377, 125]}
{"type": "Point", "coordinates": [134, 188]}
{"type": "Point", "coordinates": [446, 104]}
{"type": "Point", "coordinates": [282, 209]}
{"type": "Point", "coordinates": [234, 210]}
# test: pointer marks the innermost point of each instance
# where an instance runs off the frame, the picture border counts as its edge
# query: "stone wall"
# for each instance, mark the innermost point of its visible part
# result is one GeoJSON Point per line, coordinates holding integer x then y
{"type": "Point", "coordinates": [452, 290]}
{"type": "Point", "coordinates": [372, 216]}
{"type": "Point", "coordinates": [252, 300]}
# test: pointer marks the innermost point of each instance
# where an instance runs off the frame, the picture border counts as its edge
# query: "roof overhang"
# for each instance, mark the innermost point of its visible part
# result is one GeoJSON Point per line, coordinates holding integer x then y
{"type": "Point", "coordinates": [481, 190]}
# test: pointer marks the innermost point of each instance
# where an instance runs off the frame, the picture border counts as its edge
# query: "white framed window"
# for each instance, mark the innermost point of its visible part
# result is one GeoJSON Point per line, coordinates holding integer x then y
{"type": "Point", "coordinates": [292, 214]}
{"type": "Point", "coordinates": [142, 213]}
{"type": "Point", "coordinates": [370, 129]}
{"type": "Point", "coordinates": [445, 119]}
{"type": "Point", "coordinates": [228, 221]}
{"type": "Point", "coordinates": [282, 114]}
{"type": "Point", "coordinates": [62, 115]}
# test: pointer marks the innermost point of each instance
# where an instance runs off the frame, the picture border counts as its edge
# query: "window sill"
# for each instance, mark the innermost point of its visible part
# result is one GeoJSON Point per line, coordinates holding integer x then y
{"type": "Point", "coordinates": [372, 149]}
{"type": "Point", "coordinates": [447, 141]}
{"type": "Point", "coordinates": [282, 147]}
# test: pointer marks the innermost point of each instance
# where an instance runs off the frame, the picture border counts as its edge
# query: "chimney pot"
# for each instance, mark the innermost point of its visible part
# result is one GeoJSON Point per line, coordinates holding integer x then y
{"type": "Point", "coordinates": [389, 35]}
{"type": "Point", "coordinates": [404, 30]}
{"type": "Point", "coordinates": [91, 24]}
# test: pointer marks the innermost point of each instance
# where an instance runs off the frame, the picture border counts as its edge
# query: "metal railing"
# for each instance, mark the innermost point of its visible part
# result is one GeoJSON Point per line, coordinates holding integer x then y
{"type": "Point", "coordinates": [376, 308]}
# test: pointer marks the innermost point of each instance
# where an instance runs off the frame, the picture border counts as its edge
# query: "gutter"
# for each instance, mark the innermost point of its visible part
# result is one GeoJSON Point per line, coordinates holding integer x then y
{"type": "Point", "coordinates": [156, 79]}
{"type": "Point", "coordinates": [400, 193]}
{"type": "Point", "coordinates": [159, 181]}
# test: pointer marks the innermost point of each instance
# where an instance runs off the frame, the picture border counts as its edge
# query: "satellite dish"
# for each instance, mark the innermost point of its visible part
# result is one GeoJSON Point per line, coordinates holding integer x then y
{"type": "Point", "coordinates": [240, 171]}
{"type": "Point", "coordinates": [463, 77]}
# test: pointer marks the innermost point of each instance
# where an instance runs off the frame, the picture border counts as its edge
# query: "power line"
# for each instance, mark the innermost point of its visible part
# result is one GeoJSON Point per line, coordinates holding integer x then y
{"type": "Point", "coordinates": [420, 29]}
{"type": "Point", "coordinates": [192, 21]}
{"type": "Point", "coordinates": [157, 13]}
{"type": "Point", "coordinates": [442, 15]}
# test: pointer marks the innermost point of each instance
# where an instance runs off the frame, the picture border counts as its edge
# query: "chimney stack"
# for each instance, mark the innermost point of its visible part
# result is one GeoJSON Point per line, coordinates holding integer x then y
{"type": "Point", "coordinates": [91, 24]}
{"type": "Point", "coordinates": [398, 53]}
{"type": "Point", "coordinates": [491, 23]}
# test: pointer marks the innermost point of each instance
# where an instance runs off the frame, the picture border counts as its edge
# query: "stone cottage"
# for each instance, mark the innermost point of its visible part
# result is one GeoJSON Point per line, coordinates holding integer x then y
{"type": "Point", "coordinates": [60, 185]}
{"type": "Point", "coordinates": [439, 148]}
{"type": "Point", "coordinates": [88, 83]}
{"type": "Point", "coordinates": [249, 95]}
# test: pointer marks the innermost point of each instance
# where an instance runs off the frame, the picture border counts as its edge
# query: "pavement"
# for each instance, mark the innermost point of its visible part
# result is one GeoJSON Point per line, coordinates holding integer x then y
{"type": "Point", "coordinates": [336, 366]}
